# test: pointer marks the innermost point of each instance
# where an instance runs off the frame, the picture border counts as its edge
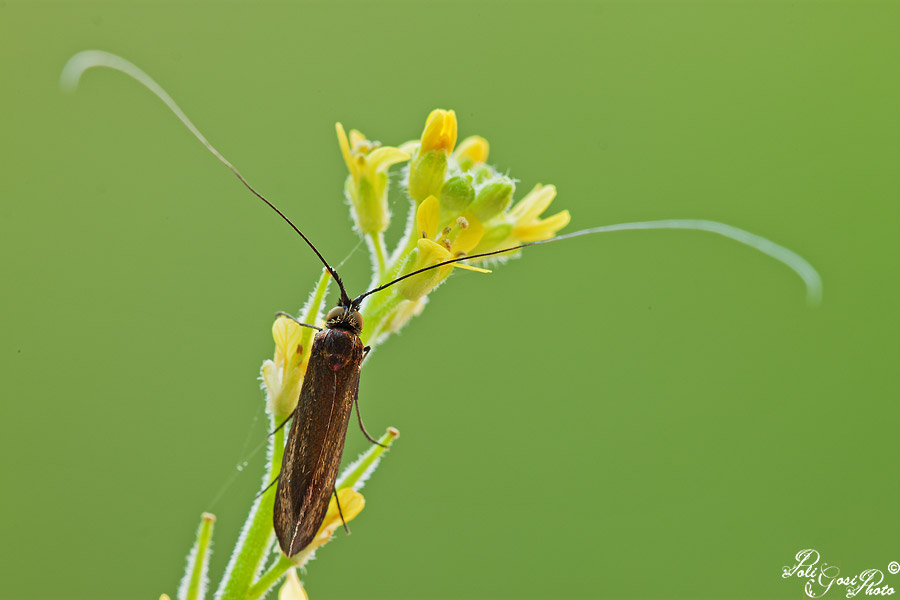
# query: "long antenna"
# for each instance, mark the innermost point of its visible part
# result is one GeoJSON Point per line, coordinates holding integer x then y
{"type": "Point", "coordinates": [87, 59]}
{"type": "Point", "coordinates": [794, 261]}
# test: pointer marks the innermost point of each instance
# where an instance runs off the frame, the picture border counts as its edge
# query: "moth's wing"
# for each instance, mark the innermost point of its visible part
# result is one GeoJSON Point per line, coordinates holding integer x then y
{"type": "Point", "coordinates": [313, 452]}
{"type": "Point", "coordinates": [285, 501]}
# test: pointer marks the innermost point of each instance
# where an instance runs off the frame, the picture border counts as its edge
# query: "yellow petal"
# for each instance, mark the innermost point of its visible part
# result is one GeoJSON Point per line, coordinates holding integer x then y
{"type": "Point", "coordinates": [471, 268]}
{"type": "Point", "coordinates": [352, 503]}
{"type": "Point", "coordinates": [356, 138]}
{"type": "Point", "coordinates": [345, 146]}
{"type": "Point", "coordinates": [408, 147]}
{"type": "Point", "coordinates": [431, 253]}
{"type": "Point", "coordinates": [474, 148]}
{"type": "Point", "coordinates": [286, 333]}
{"type": "Point", "coordinates": [381, 159]}
{"type": "Point", "coordinates": [292, 589]}
{"type": "Point", "coordinates": [440, 131]}
{"type": "Point", "coordinates": [533, 204]}
{"type": "Point", "coordinates": [427, 217]}
{"type": "Point", "coordinates": [270, 377]}
{"type": "Point", "coordinates": [469, 237]}
{"type": "Point", "coordinates": [164, 597]}
{"type": "Point", "coordinates": [542, 230]}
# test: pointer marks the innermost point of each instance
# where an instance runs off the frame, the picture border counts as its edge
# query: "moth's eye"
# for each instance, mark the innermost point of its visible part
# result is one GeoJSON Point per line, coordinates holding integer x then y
{"type": "Point", "coordinates": [358, 318]}
{"type": "Point", "coordinates": [334, 313]}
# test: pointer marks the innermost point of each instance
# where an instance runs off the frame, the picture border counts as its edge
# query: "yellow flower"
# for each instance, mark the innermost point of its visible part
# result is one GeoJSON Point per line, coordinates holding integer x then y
{"type": "Point", "coordinates": [283, 375]}
{"type": "Point", "coordinates": [436, 247]}
{"type": "Point", "coordinates": [522, 223]}
{"type": "Point", "coordinates": [527, 224]}
{"type": "Point", "coordinates": [366, 187]}
{"type": "Point", "coordinates": [429, 167]}
{"type": "Point", "coordinates": [440, 131]}
{"type": "Point", "coordinates": [292, 588]}
{"type": "Point", "coordinates": [472, 151]}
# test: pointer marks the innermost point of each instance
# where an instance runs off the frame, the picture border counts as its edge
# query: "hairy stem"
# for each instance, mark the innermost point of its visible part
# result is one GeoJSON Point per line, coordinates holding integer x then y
{"type": "Point", "coordinates": [193, 586]}
{"type": "Point", "coordinates": [257, 535]}
{"type": "Point", "coordinates": [270, 578]}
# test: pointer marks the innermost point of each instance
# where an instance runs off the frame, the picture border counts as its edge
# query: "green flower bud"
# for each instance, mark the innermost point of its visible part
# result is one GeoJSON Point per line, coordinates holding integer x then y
{"type": "Point", "coordinates": [493, 199]}
{"type": "Point", "coordinates": [456, 195]}
{"type": "Point", "coordinates": [426, 174]}
{"type": "Point", "coordinates": [483, 173]}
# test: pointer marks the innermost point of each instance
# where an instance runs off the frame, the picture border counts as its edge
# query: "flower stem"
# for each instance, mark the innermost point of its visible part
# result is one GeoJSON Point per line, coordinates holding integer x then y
{"type": "Point", "coordinates": [257, 535]}
{"type": "Point", "coordinates": [194, 585]}
{"type": "Point", "coordinates": [379, 252]}
{"type": "Point", "coordinates": [270, 578]}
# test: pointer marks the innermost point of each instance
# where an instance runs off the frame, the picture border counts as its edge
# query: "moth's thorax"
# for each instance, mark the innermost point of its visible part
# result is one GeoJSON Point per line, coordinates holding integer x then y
{"type": "Point", "coordinates": [340, 348]}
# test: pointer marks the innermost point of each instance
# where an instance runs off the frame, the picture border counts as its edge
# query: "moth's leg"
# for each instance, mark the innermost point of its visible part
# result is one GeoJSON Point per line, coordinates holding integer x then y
{"type": "Point", "coordinates": [365, 354]}
{"type": "Point", "coordinates": [274, 481]}
{"type": "Point", "coordinates": [283, 423]}
{"type": "Point", "coordinates": [294, 319]}
{"type": "Point", "coordinates": [340, 512]}
{"type": "Point", "coordinates": [363, 427]}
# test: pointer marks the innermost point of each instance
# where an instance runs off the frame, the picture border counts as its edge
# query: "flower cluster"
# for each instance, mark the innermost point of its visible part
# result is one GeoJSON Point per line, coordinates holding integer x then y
{"type": "Point", "coordinates": [460, 206]}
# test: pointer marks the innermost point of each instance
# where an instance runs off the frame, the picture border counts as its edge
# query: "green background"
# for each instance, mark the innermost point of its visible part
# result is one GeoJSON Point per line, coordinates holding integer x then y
{"type": "Point", "coordinates": [644, 415]}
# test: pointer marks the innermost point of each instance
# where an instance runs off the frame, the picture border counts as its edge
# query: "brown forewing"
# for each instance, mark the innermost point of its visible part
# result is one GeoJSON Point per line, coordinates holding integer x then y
{"type": "Point", "coordinates": [315, 443]}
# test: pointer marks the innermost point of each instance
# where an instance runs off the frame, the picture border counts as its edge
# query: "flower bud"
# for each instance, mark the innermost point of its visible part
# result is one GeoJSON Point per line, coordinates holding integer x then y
{"type": "Point", "coordinates": [367, 184]}
{"type": "Point", "coordinates": [425, 254]}
{"type": "Point", "coordinates": [492, 199]}
{"type": "Point", "coordinates": [440, 131]}
{"type": "Point", "coordinates": [428, 169]}
{"type": "Point", "coordinates": [456, 195]}
{"type": "Point", "coordinates": [426, 174]}
{"type": "Point", "coordinates": [471, 151]}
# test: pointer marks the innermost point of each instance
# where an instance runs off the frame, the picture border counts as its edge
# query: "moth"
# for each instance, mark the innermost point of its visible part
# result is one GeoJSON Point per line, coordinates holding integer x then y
{"type": "Point", "coordinates": [330, 388]}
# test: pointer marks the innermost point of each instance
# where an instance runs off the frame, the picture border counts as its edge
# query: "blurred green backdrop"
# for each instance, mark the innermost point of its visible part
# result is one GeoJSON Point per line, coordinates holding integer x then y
{"type": "Point", "coordinates": [646, 415]}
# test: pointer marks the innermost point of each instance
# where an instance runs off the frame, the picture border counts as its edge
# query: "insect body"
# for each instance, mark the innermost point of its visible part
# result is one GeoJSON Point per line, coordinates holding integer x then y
{"type": "Point", "coordinates": [315, 443]}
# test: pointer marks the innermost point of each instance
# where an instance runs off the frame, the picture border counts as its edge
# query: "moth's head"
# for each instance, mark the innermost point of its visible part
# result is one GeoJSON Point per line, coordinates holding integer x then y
{"type": "Point", "coordinates": [343, 317]}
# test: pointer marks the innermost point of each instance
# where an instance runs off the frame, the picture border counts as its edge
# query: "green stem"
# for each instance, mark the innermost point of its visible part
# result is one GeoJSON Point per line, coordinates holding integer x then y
{"type": "Point", "coordinates": [379, 252]}
{"type": "Point", "coordinates": [270, 578]}
{"type": "Point", "coordinates": [355, 474]}
{"type": "Point", "coordinates": [258, 533]}
{"type": "Point", "coordinates": [199, 562]}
